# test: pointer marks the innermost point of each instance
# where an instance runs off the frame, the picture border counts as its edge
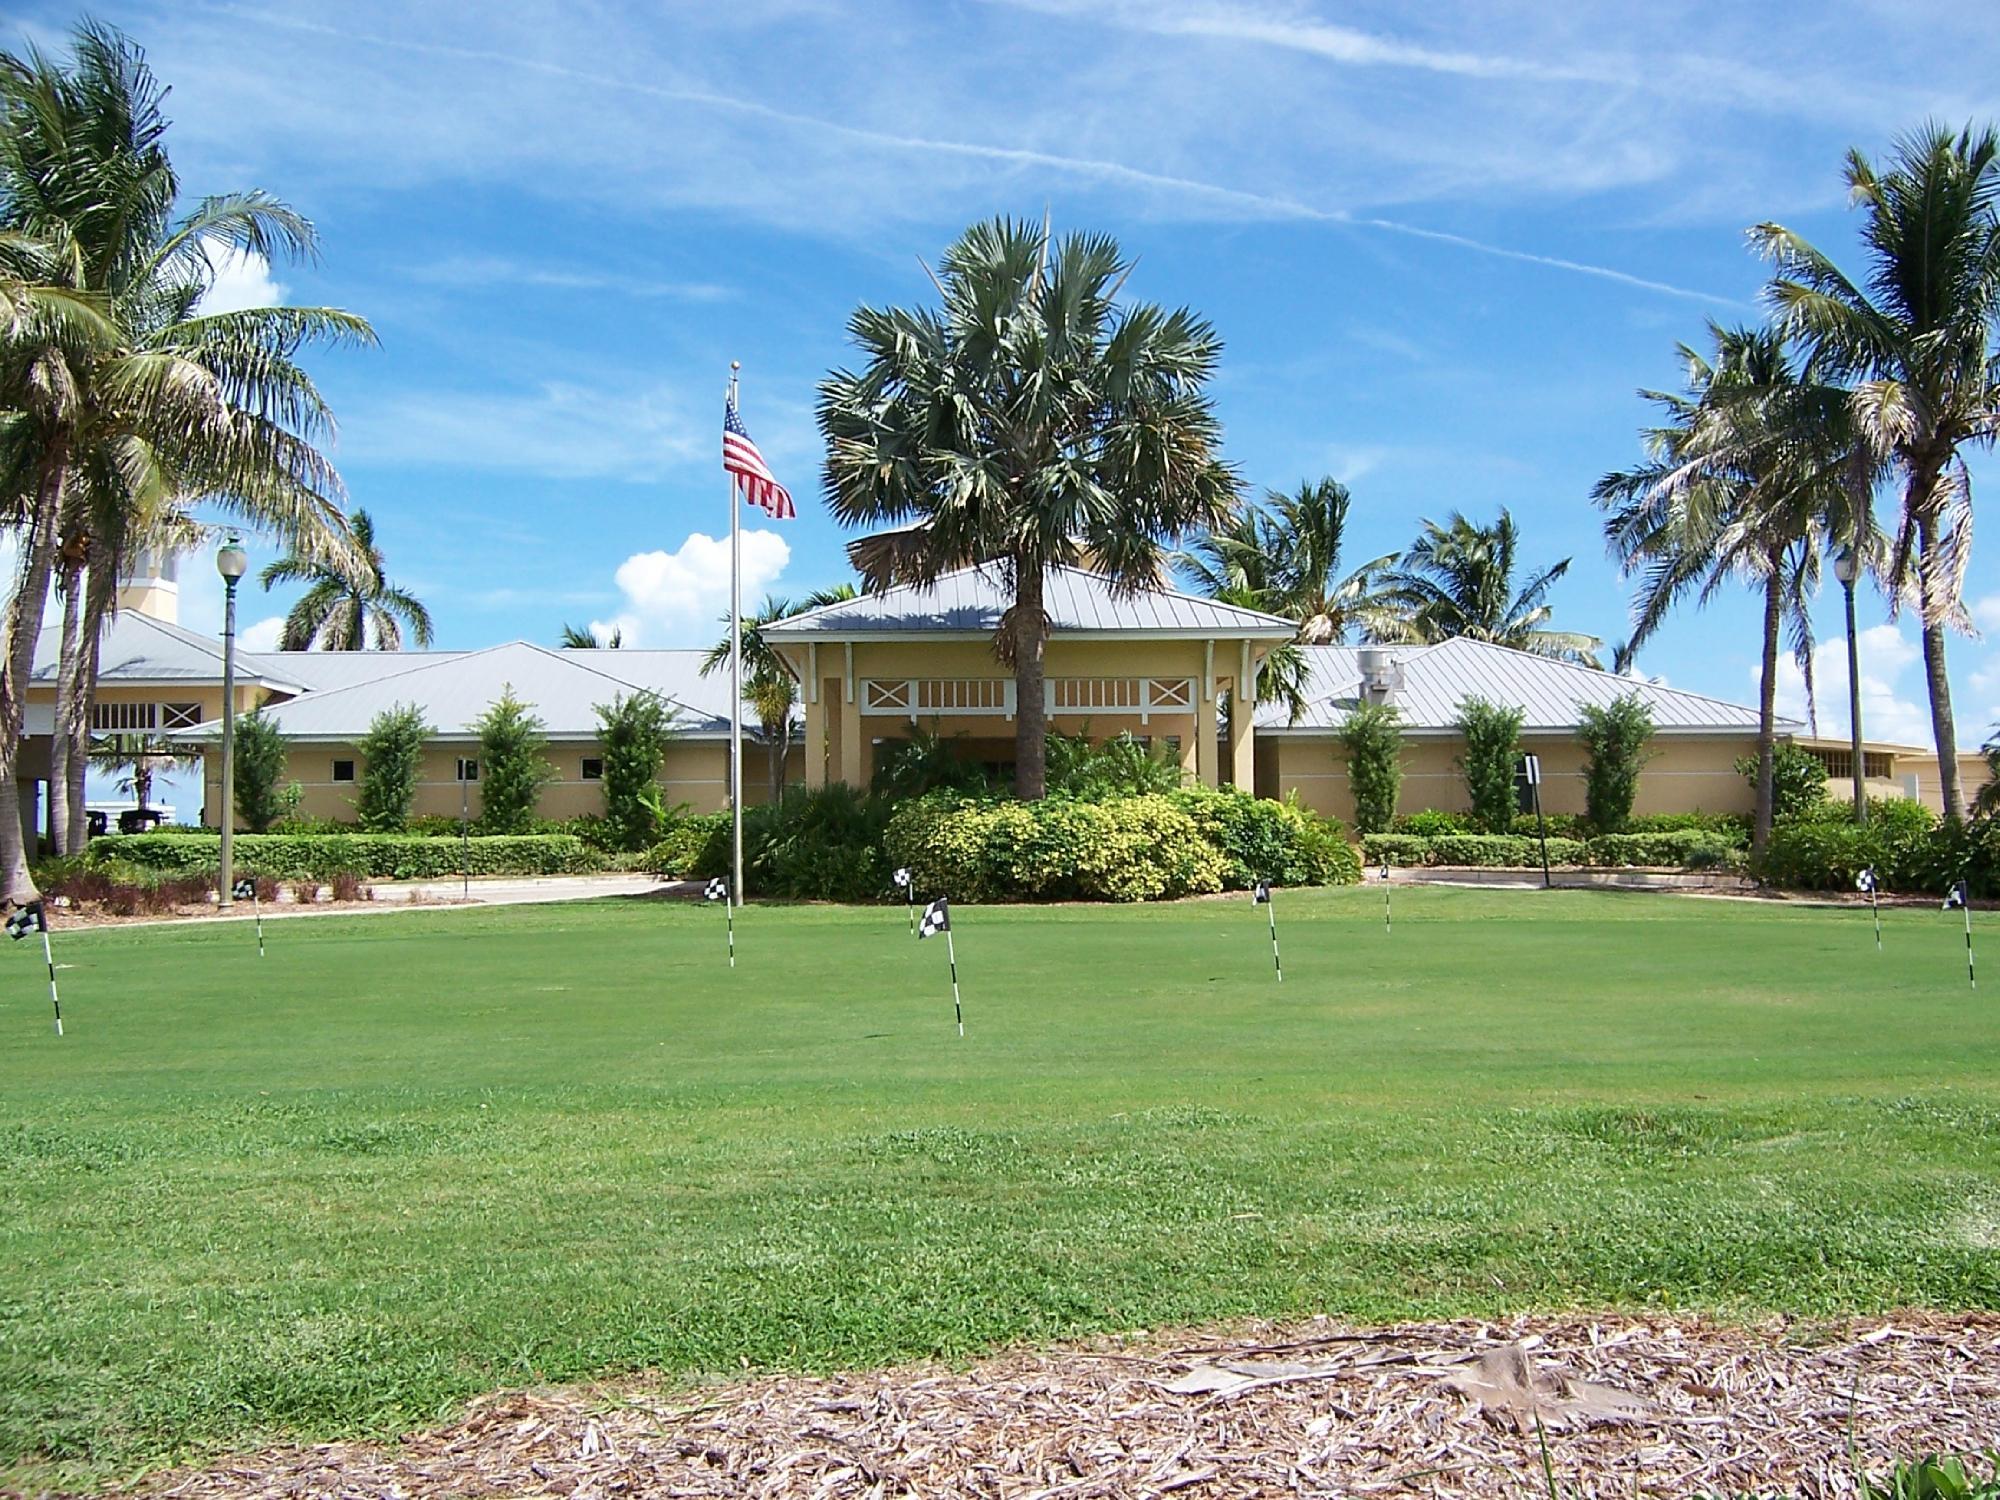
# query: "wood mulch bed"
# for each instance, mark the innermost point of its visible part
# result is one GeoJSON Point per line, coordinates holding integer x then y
{"type": "Point", "coordinates": [1655, 1406]}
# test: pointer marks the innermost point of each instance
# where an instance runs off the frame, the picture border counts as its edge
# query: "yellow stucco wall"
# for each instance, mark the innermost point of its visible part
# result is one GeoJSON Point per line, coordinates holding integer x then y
{"type": "Point", "coordinates": [691, 772]}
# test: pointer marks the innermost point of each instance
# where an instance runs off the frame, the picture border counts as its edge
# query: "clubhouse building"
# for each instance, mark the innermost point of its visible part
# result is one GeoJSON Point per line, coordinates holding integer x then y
{"type": "Point", "coordinates": [1165, 666]}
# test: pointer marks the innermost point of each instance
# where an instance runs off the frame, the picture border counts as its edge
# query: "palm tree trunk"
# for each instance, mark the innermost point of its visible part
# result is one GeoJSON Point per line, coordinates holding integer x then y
{"type": "Point", "coordinates": [1031, 715]}
{"type": "Point", "coordinates": [1936, 678]}
{"type": "Point", "coordinates": [63, 746]}
{"type": "Point", "coordinates": [100, 593]}
{"type": "Point", "coordinates": [1767, 705]}
{"type": "Point", "coordinates": [23, 632]}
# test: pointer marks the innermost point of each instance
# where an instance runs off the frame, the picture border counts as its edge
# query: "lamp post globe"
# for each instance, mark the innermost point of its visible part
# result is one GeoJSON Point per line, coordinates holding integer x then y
{"type": "Point", "coordinates": [1845, 568]}
{"type": "Point", "coordinates": [232, 562]}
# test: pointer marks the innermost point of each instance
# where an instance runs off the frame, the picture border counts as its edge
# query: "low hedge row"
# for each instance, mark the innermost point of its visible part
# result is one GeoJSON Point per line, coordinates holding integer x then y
{"type": "Point", "coordinates": [1827, 854]}
{"type": "Point", "coordinates": [378, 856]}
{"type": "Point", "coordinates": [1517, 851]}
{"type": "Point", "coordinates": [1431, 823]}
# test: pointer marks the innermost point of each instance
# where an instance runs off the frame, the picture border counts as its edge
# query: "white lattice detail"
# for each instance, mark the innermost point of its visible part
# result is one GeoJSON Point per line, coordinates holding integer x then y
{"type": "Point", "coordinates": [1144, 696]}
{"type": "Point", "coordinates": [915, 697]}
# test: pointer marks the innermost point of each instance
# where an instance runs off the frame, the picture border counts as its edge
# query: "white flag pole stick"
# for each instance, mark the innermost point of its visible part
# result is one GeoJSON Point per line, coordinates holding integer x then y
{"type": "Point", "coordinates": [1965, 906]}
{"type": "Point", "coordinates": [735, 687]}
{"type": "Point", "coordinates": [951, 954]}
{"type": "Point", "coordinates": [910, 891]}
{"type": "Point", "coordinates": [1386, 928]}
{"type": "Point", "coordinates": [257, 906]}
{"type": "Point", "coordinates": [1271, 910]}
{"type": "Point", "coordinates": [49, 956]}
{"type": "Point", "coordinates": [1875, 906]}
{"type": "Point", "coordinates": [729, 918]}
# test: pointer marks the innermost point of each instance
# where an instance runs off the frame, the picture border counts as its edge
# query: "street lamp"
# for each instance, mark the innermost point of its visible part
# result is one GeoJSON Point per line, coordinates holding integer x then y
{"type": "Point", "coordinates": [232, 562]}
{"type": "Point", "coordinates": [1847, 568]}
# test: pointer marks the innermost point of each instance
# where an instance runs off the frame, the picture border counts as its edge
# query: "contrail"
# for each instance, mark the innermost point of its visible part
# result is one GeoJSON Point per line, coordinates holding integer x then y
{"type": "Point", "coordinates": [1106, 171]}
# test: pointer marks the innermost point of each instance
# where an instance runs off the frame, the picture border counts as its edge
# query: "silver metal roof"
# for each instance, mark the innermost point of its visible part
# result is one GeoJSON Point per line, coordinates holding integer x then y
{"type": "Point", "coordinates": [139, 648]}
{"type": "Point", "coordinates": [971, 601]}
{"type": "Point", "coordinates": [1436, 679]}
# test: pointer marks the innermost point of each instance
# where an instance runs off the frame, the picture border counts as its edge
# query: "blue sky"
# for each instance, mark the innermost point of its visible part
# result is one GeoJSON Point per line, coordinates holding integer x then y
{"type": "Point", "coordinates": [1444, 246]}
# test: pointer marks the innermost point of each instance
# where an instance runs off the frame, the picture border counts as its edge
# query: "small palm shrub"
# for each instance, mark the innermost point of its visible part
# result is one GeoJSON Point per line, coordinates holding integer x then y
{"type": "Point", "coordinates": [1122, 766]}
{"type": "Point", "coordinates": [819, 844]}
{"type": "Point", "coordinates": [929, 761]}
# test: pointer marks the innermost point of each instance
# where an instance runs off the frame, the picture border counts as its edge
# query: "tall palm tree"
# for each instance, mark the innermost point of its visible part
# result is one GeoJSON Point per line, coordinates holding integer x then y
{"type": "Point", "coordinates": [1917, 337]}
{"type": "Point", "coordinates": [132, 403]}
{"type": "Point", "coordinates": [347, 600]}
{"type": "Point", "coordinates": [1754, 472]}
{"type": "Point", "coordinates": [1458, 580]}
{"type": "Point", "coordinates": [584, 638]}
{"type": "Point", "coordinates": [1030, 422]}
{"type": "Point", "coordinates": [767, 682]}
{"type": "Point", "coordinates": [135, 759]}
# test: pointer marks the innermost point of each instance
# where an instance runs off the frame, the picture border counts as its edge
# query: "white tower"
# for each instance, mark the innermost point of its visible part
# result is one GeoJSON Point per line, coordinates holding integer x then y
{"type": "Point", "coordinates": [150, 584]}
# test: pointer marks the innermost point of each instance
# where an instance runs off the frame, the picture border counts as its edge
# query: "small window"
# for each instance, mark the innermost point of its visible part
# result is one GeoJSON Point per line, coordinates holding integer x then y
{"type": "Point", "coordinates": [343, 770]}
{"type": "Point", "coordinates": [593, 768]}
{"type": "Point", "coordinates": [468, 770]}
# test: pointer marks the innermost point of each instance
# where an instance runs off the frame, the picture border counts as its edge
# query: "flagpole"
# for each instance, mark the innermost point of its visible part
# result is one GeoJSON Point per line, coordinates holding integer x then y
{"type": "Point", "coordinates": [735, 688]}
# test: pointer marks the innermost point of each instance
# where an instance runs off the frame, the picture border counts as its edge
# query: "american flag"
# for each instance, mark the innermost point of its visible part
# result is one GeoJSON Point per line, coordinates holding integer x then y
{"type": "Point", "coordinates": [754, 478]}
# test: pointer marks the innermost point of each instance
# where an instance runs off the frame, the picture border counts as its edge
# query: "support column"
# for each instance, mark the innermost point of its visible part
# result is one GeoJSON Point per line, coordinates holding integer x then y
{"type": "Point", "coordinates": [1242, 737]}
{"type": "Point", "coordinates": [1204, 734]}
{"type": "Point", "coordinates": [849, 769]}
{"type": "Point", "coordinates": [815, 750]}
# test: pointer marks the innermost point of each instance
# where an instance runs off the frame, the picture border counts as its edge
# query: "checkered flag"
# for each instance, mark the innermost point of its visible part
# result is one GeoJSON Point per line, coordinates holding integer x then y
{"type": "Point", "coordinates": [718, 889]}
{"type": "Point", "coordinates": [27, 919]}
{"type": "Point", "coordinates": [1960, 896]}
{"type": "Point", "coordinates": [246, 890]}
{"type": "Point", "coordinates": [1865, 881]}
{"type": "Point", "coordinates": [1261, 896]}
{"type": "Point", "coordinates": [937, 918]}
{"type": "Point", "coordinates": [901, 877]}
{"type": "Point", "coordinates": [1954, 898]}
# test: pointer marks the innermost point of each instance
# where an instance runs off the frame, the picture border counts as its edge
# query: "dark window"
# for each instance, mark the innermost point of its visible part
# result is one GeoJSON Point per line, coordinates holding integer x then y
{"type": "Point", "coordinates": [593, 768]}
{"type": "Point", "coordinates": [343, 770]}
{"type": "Point", "coordinates": [468, 770]}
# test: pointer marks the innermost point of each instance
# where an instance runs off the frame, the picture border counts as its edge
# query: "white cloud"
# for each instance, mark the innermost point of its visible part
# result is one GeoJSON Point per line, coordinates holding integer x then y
{"type": "Point", "coordinates": [1886, 654]}
{"type": "Point", "coordinates": [242, 280]}
{"type": "Point", "coordinates": [674, 598]}
{"type": "Point", "coordinates": [1986, 612]}
{"type": "Point", "coordinates": [262, 636]}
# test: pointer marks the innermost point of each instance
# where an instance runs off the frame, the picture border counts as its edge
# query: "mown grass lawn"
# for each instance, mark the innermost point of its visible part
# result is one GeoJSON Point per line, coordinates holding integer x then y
{"type": "Point", "coordinates": [409, 1158]}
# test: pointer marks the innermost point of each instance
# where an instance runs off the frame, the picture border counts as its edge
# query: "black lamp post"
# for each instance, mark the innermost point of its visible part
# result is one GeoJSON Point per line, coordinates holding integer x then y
{"type": "Point", "coordinates": [1847, 568]}
{"type": "Point", "coordinates": [232, 562]}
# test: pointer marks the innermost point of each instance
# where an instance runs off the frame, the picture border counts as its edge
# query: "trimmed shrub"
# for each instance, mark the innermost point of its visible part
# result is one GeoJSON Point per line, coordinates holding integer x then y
{"type": "Point", "coordinates": [1372, 735]}
{"type": "Point", "coordinates": [1430, 823]}
{"type": "Point", "coordinates": [512, 768]}
{"type": "Point", "coordinates": [1615, 735]}
{"type": "Point", "coordinates": [1259, 839]}
{"type": "Point", "coordinates": [1683, 849]}
{"type": "Point", "coordinates": [1733, 826]}
{"type": "Point", "coordinates": [1492, 747]}
{"type": "Point", "coordinates": [1560, 825]}
{"type": "Point", "coordinates": [391, 753]}
{"type": "Point", "coordinates": [262, 798]}
{"type": "Point", "coordinates": [1472, 850]}
{"type": "Point", "coordinates": [634, 732]}
{"type": "Point", "coordinates": [692, 848]}
{"type": "Point", "coordinates": [377, 856]}
{"type": "Point", "coordinates": [1405, 849]}
{"type": "Point", "coordinates": [1798, 781]}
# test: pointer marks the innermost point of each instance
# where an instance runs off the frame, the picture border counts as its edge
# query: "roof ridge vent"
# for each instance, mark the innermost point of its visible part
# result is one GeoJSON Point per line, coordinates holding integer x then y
{"type": "Point", "coordinates": [1381, 675]}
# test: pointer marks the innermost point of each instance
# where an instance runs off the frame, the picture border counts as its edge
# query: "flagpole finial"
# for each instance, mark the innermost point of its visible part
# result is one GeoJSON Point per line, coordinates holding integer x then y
{"type": "Point", "coordinates": [736, 364]}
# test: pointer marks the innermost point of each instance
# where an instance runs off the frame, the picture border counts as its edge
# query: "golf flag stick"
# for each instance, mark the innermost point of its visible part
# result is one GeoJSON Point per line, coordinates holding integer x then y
{"type": "Point", "coordinates": [1866, 881]}
{"type": "Point", "coordinates": [32, 918]}
{"type": "Point", "coordinates": [908, 883]}
{"type": "Point", "coordinates": [246, 890]}
{"type": "Point", "coordinates": [1386, 928]}
{"type": "Point", "coordinates": [1262, 897]}
{"type": "Point", "coordinates": [937, 918]}
{"type": "Point", "coordinates": [1960, 896]}
{"type": "Point", "coordinates": [718, 890]}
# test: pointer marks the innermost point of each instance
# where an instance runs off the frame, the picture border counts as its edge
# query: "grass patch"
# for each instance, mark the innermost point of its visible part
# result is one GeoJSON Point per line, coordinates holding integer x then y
{"type": "Point", "coordinates": [409, 1158]}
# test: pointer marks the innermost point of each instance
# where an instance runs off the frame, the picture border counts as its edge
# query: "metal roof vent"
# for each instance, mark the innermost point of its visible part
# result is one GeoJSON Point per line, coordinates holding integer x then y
{"type": "Point", "coordinates": [1381, 675]}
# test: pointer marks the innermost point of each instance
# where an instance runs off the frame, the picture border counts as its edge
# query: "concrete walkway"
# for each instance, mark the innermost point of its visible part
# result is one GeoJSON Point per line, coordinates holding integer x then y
{"type": "Point", "coordinates": [521, 890]}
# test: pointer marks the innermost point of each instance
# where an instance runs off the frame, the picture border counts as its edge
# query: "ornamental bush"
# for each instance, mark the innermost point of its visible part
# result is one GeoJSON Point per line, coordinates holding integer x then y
{"type": "Point", "coordinates": [512, 768]}
{"type": "Point", "coordinates": [815, 844]}
{"type": "Point", "coordinates": [1614, 736]}
{"type": "Point", "coordinates": [1284, 842]}
{"type": "Point", "coordinates": [392, 752]}
{"type": "Point", "coordinates": [1798, 781]}
{"type": "Point", "coordinates": [379, 856]}
{"type": "Point", "coordinates": [634, 732]}
{"type": "Point", "coordinates": [1372, 735]}
{"type": "Point", "coordinates": [692, 848]}
{"type": "Point", "coordinates": [1692, 846]}
{"type": "Point", "coordinates": [1431, 822]}
{"type": "Point", "coordinates": [262, 797]}
{"type": "Point", "coordinates": [1492, 737]}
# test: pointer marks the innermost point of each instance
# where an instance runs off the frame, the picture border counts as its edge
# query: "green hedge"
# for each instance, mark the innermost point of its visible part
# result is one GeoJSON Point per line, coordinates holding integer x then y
{"type": "Point", "coordinates": [379, 856]}
{"type": "Point", "coordinates": [1260, 839]}
{"type": "Point", "coordinates": [1518, 851]}
{"type": "Point", "coordinates": [1692, 846]}
{"type": "Point", "coordinates": [693, 848]}
{"type": "Point", "coordinates": [1911, 854]}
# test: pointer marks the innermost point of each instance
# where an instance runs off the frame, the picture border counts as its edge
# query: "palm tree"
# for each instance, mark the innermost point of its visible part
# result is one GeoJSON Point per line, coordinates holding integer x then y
{"type": "Point", "coordinates": [584, 638]}
{"type": "Point", "coordinates": [767, 682]}
{"type": "Point", "coordinates": [1917, 337]}
{"type": "Point", "coordinates": [120, 402]}
{"type": "Point", "coordinates": [134, 759]}
{"type": "Point", "coordinates": [1754, 472]}
{"type": "Point", "coordinates": [1029, 422]}
{"type": "Point", "coordinates": [345, 601]}
{"type": "Point", "coordinates": [1458, 580]}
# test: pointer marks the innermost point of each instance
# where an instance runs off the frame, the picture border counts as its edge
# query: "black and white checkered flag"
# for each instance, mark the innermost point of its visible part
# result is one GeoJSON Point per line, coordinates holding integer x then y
{"type": "Point", "coordinates": [718, 889]}
{"type": "Point", "coordinates": [937, 918]}
{"type": "Point", "coordinates": [1954, 898]}
{"type": "Point", "coordinates": [902, 878]}
{"type": "Point", "coordinates": [27, 919]}
{"type": "Point", "coordinates": [246, 890]}
{"type": "Point", "coordinates": [1865, 881]}
{"type": "Point", "coordinates": [1262, 894]}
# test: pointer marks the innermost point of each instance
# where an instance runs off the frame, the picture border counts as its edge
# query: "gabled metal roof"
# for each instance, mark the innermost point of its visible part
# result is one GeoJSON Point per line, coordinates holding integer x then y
{"type": "Point", "coordinates": [971, 601]}
{"type": "Point", "coordinates": [1549, 693]}
{"type": "Point", "coordinates": [139, 648]}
